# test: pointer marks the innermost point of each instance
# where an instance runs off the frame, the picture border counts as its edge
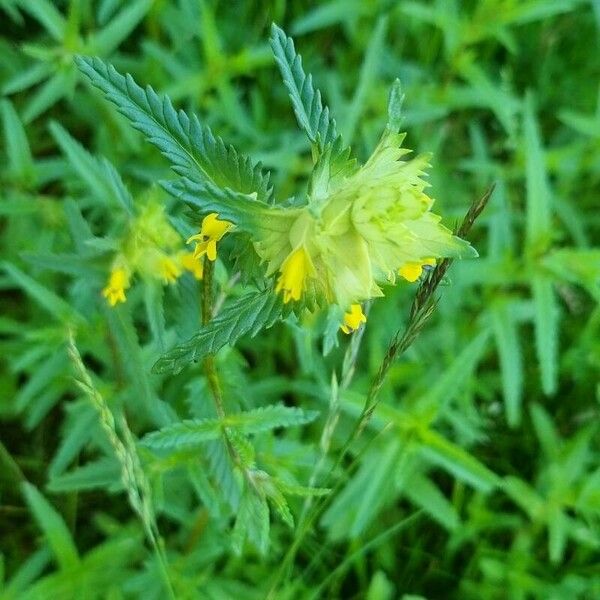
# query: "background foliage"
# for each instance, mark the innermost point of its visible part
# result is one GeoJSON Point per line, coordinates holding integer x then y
{"type": "Point", "coordinates": [479, 473]}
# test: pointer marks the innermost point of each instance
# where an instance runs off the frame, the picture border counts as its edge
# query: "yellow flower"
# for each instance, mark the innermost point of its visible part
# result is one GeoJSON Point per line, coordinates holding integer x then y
{"type": "Point", "coordinates": [353, 319]}
{"type": "Point", "coordinates": [168, 269]}
{"type": "Point", "coordinates": [118, 282]}
{"type": "Point", "coordinates": [192, 264]}
{"type": "Point", "coordinates": [211, 231]}
{"type": "Point", "coordinates": [294, 271]}
{"type": "Point", "coordinates": [411, 271]}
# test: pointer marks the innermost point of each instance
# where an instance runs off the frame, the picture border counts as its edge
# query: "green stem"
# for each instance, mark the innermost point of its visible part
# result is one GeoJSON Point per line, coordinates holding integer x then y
{"type": "Point", "coordinates": [209, 362]}
{"type": "Point", "coordinates": [422, 308]}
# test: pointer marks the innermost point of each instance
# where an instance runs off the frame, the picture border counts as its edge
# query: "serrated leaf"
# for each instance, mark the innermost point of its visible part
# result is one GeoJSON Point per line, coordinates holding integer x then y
{"type": "Point", "coordinates": [52, 524]}
{"type": "Point", "coordinates": [194, 152]}
{"type": "Point", "coordinates": [277, 499]}
{"type": "Point", "coordinates": [196, 431]}
{"type": "Point", "coordinates": [249, 314]}
{"type": "Point", "coordinates": [312, 116]}
{"type": "Point", "coordinates": [395, 101]}
{"type": "Point", "coordinates": [252, 522]}
{"type": "Point", "coordinates": [300, 490]}
{"type": "Point", "coordinates": [185, 433]}
{"type": "Point", "coordinates": [269, 417]}
{"type": "Point", "coordinates": [224, 201]}
{"type": "Point", "coordinates": [243, 449]}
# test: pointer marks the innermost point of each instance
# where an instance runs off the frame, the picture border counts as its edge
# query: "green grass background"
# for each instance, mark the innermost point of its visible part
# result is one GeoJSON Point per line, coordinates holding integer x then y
{"type": "Point", "coordinates": [479, 475]}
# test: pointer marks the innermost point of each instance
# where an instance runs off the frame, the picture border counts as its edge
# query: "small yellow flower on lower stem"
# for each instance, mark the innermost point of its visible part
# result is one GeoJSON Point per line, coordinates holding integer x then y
{"type": "Point", "coordinates": [118, 282]}
{"type": "Point", "coordinates": [211, 232]}
{"type": "Point", "coordinates": [353, 319]}
{"type": "Point", "coordinates": [192, 264]}
{"type": "Point", "coordinates": [294, 270]}
{"type": "Point", "coordinates": [411, 271]}
{"type": "Point", "coordinates": [168, 269]}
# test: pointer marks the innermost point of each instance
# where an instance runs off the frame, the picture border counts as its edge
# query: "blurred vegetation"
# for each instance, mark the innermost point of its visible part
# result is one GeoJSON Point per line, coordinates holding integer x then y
{"type": "Point", "coordinates": [478, 475]}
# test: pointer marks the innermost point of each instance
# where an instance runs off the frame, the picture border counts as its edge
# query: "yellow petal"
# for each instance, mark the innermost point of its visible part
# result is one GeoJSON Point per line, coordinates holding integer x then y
{"type": "Point", "coordinates": [118, 281]}
{"type": "Point", "coordinates": [293, 273]}
{"type": "Point", "coordinates": [353, 319]}
{"type": "Point", "coordinates": [411, 271]}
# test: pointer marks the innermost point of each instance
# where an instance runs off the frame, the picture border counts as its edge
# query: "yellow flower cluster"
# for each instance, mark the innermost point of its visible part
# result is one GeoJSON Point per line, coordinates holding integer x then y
{"type": "Point", "coordinates": [152, 249]}
{"type": "Point", "coordinates": [361, 232]}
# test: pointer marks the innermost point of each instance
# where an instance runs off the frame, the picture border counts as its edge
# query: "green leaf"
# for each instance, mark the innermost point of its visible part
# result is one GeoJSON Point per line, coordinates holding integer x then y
{"type": "Point", "coordinates": [196, 431]}
{"type": "Point", "coordinates": [154, 301]}
{"type": "Point", "coordinates": [538, 225]}
{"type": "Point", "coordinates": [29, 571]}
{"type": "Point", "coordinates": [120, 324]}
{"type": "Point", "coordinates": [546, 331]}
{"type": "Point", "coordinates": [111, 35]}
{"type": "Point", "coordinates": [277, 499]}
{"type": "Point", "coordinates": [524, 496]}
{"type": "Point", "coordinates": [558, 529]}
{"type": "Point", "coordinates": [78, 430]}
{"type": "Point", "coordinates": [312, 116]}
{"type": "Point", "coordinates": [27, 78]}
{"type": "Point", "coordinates": [104, 473]}
{"type": "Point", "coordinates": [47, 15]}
{"type": "Point", "coordinates": [511, 362]}
{"type": "Point", "coordinates": [300, 490]}
{"type": "Point", "coordinates": [249, 314]}
{"type": "Point", "coordinates": [422, 492]}
{"type": "Point", "coordinates": [101, 177]}
{"type": "Point", "coordinates": [217, 171]}
{"type": "Point", "coordinates": [367, 78]}
{"type": "Point", "coordinates": [185, 433]}
{"type": "Point", "coordinates": [46, 373]}
{"type": "Point", "coordinates": [17, 145]}
{"type": "Point", "coordinates": [55, 88]}
{"type": "Point", "coordinates": [438, 450]}
{"type": "Point", "coordinates": [545, 431]}
{"type": "Point", "coordinates": [577, 265]}
{"type": "Point", "coordinates": [43, 296]}
{"type": "Point", "coordinates": [450, 383]}
{"type": "Point", "coordinates": [362, 499]}
{"type": "Point", "coordinates": [252, 522]}
{"type": "Point", "coordinates": [395, 102]}
{"type": "Point", "coordinates": [269, 417]}
{"type": "Point", "coordinates": [230, 205]}
{"type": "Point", "coordinates": [52, 524]}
